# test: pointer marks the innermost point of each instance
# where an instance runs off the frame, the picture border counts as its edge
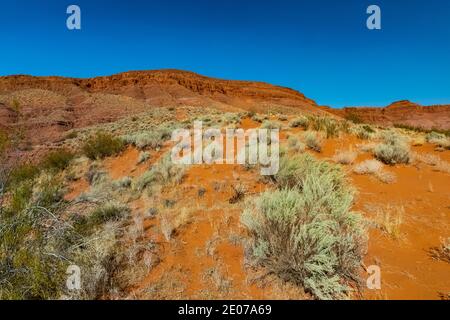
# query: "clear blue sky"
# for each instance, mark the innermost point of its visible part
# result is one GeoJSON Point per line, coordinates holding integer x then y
{"type": "Point", "coordinates": [319, 47]}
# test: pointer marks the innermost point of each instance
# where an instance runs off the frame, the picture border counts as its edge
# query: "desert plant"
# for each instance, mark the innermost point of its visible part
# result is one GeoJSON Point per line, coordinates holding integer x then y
{"type": "Point", "coordinates": [353, 117]}
{"type": "Point", "coordinates": [110, 211]}
{"type": "Point", "coordinates": [301, 122]}
{"type": "Point", "coordinates": [143, 156]}
{"type": "Point", "coordinates": [308, 234]}
{"type": "Point", "coordinates": [295, 145]}
{"type": "Point", "coordinates": [57, 160]}
{"type": "Point", "coordinates": [163, 172]}
{"type": "Point", "coordinates": [313, 141]}
{"type": "Point", "coordinates": [270, 125]}
{"type": "Point", "coordinates": [102, 145]}
{"type": "Point", "coordinates": [345, 157]}
{"type": "Point", "coordinates": [393, 150]}
{"type": "Point", "coordinates": [374, 167]}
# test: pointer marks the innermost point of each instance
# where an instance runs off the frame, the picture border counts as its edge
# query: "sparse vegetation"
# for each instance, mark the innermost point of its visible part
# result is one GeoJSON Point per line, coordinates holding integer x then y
{"type": "Point", "coordinates": [102, 145]}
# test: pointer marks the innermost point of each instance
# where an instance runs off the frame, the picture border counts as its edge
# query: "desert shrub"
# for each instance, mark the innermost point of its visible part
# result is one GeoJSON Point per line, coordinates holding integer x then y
{"type": "Point", "coordinates": [57, 160]}
{"type": "Point", "coordinates": [122, 183]}
{"type": "Point", "coordinates": [143, 156]}
{"type": "Point", "coordinates": [22, 173]}
{"type": "Point", "coordinates": [374, 167]}
{"type": "Point", "coordinates": [345, 157]}
{"type": "Point", "coordinates": [270, 125]}
{"type": "Point", "coordinates": [258, 118]}
{"type": "Point", "coordinates": [293, 170]}
{"type": "Point", "coordinates": [313, 141]}
{"type": "Point", "coordinates": [301, 122]}
{"type": "Point", "coordinates": [145, 139]}
{"type": "Point", "coordinates": [163, 172]}
{"type": "Point", "coordinates": [295, 144]}
{"type": "Point", "coordinates": [231, 118]}
{"type": "Point", "coordinates": [394, 149]}
{"type": "Point", "coordinates": [282, 117]}
{"type": "Point", "coordinates": [368, 167]}
{"type": "Point", "coordinates": [439, 139]}
{"type": "Point", "coordinates": [332, 128]}
{"type": "Point", "coordinates": [102, 145]}
{"type": "Point", "coordinates": [109, 211]}
{"type": "Point", "coordinates": [308, 234]}
{"type": "Point", "coordinates": [363, 132]}
{"type": "Point", "coordinates": [353, 118]}
{"type": "Point", "coordinates": [4, 141]}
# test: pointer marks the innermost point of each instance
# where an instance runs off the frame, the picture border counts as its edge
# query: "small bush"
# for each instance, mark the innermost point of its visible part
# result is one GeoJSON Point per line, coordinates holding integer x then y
{"type": "Point", "coordinates": [143, 156]}
{"type": "Point", "coordinates": [57, 160]}
{"type": "Point", "coordinates": [374, 167]}
{"type": "Point", "coordinates": [270, 125]}
{"type": "Point", "coordinates": [143, 140]}
{"type": "Point", "coordinates": [295, 145]}
{"type": "Point", "coordinates": [393, 150]}
{"type": "Point", "coordinates": [21, 173]}
{"type": "Point", "coordinates": [308, 234]}
{"type": "Point", "coordinates": [110, 211]}
{"type": "Point", "coordinates": [301, 122]}
{"type": "Point", "coordinates": [353, 118]}
{"type": "Point", "coordinates": [293, 170]}
{"type": "Point", "coordinates": [102, 145]}
{"type": "Point", "coordinates": [163, 172]}
{"type": "Point", "coordinates": [313, 141]}
{"type": "Point", "coordinates": [345, 157]}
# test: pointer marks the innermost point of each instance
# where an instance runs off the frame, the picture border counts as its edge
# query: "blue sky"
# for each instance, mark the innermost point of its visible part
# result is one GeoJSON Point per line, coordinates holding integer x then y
{"type": "Point", "coordinates": [319, 47]}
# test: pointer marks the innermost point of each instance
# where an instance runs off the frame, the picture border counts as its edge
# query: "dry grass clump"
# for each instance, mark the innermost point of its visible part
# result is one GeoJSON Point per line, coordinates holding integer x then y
{"type": "Point", "coordinates": [345, 156]}
{"type": "Point", "coordinates": [307, 234]}
{"type": "Point", "coordinates": [432, 160]}
{"type": "Point", "coordinates": [388, 219]}
{"type": "Point", "coordinates": [442, 252]}
{"type": "Point", "coordinates": [363, 131]}
{"type": "Point", "coordinates": [394, 149]}
{"type": "Point", "coordinates": [313, 141]}
{"type": "Point", "coordinates": [143, 156]}
{"type": "Point", "coordinates": [330, 126]}
{"type": "Point", "coordinates": [374, 167]}
{"type": "Point", "coordinates": [173, 220]}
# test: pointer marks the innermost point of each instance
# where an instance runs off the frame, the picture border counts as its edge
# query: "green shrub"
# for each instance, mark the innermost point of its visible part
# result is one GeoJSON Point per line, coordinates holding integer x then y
{"type": "Point", "coordinates": [57, 160]}
{"type": "Point", "coordinates": [293, 170]}
{"type": "Point", "coordinates": [21, 173]}
{"type": "Point", "coordinates": [102, 145]}
{"type": "Point", "coordinates": [393, 150]}
{"type": "Point", "coordinates": [307, 234]}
